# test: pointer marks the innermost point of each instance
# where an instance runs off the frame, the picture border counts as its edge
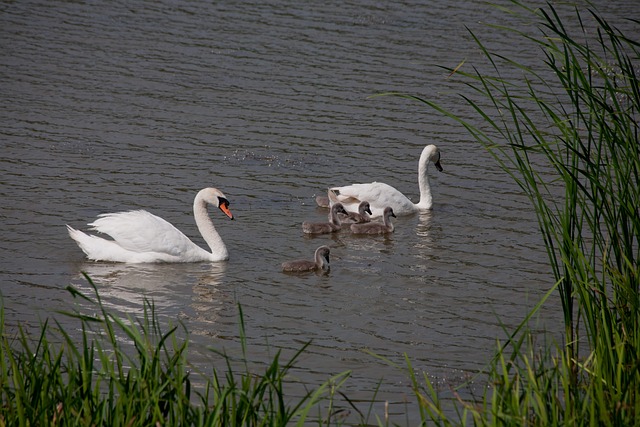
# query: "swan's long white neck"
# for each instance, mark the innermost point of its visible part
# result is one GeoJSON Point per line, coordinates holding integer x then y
{"type": "Point", "coordinates": [426, 200]}
{"type": "Point", "coordinates": [207, 229]}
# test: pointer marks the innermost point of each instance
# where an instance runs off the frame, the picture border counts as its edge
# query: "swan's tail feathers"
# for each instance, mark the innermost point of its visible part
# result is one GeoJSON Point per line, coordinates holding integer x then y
{"type": "Point", "coordinates": [76, 235]}
{"type": "Point", "coordinates": [349, 202]}
{"type": "Point", "coordinates": [333, 196]}
{"type": "Point", "coordinates": [83, 240]}
{"type": "Point", "coordinates": [96, 248]}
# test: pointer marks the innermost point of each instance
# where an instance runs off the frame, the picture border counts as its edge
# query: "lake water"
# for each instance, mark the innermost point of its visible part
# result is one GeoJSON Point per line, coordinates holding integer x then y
{"type": "Point", "coordinates": [110, 106]}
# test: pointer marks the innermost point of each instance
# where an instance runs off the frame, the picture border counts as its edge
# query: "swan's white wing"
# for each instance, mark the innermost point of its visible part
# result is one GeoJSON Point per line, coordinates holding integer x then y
{"type": "Point", "coordinates": [141, 231]}
{"type": "Point", "coordinates": [378, 194]}
{"type": "Point", "coordinates": [356, 193]}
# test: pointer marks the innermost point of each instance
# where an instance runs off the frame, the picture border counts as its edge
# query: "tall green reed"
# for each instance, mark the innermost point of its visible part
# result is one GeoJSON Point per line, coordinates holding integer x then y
{"type": "Point", "coordinates": [567, 133]}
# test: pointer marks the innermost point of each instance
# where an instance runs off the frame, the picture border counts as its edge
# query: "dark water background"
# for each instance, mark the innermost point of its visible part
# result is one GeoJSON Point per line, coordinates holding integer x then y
{"type": "Point", "coordinates": [108, 106]}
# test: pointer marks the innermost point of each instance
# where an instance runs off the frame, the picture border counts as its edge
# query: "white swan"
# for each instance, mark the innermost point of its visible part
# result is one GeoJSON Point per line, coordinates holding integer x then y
{"type": "Point", "coordinates": [380, 195]}
{"type": "Point", "coordinates": [139, 236]}
{"type": "Point", "coordinates": [320, 262]}
{"type": "Point", "coordinates": [376, 227]}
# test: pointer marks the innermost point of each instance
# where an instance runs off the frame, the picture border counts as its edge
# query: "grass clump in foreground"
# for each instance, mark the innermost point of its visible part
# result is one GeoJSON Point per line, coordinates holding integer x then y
{"type": "Point", "coordinates": [132, 373]}
{"type": "Point", "coordinates": [568, 135]}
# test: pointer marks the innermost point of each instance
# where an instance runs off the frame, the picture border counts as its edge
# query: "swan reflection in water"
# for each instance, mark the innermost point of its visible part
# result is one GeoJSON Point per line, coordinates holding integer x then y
{"type": "Point", "coordinates": [178, 291]}
{"type": "Point", "coordinates": [423, 227]}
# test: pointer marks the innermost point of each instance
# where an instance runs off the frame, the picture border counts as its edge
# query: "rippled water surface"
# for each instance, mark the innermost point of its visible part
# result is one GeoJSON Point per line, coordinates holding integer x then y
{"type": "Point", "coordinates": [109, 106]}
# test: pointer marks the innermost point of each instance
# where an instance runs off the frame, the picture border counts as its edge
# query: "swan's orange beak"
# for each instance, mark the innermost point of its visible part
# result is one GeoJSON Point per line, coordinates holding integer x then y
{"type": "Point", "coordinates": [225, 208]}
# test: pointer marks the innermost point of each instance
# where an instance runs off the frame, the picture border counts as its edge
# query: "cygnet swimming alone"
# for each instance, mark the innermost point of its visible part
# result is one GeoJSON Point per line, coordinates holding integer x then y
{"type": "Point", "coordinates": [376, 227]}
{"type": "Point", "coordinates": [320, 263]}
{"type": "Point", "coordinates": [359, 217]}
{"type": "Point", "coordinates": [325, 227]}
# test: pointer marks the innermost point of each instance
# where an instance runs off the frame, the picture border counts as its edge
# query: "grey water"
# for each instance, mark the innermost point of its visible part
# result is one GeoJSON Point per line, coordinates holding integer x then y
{"type": "Point", "coordinates": [111, 106]}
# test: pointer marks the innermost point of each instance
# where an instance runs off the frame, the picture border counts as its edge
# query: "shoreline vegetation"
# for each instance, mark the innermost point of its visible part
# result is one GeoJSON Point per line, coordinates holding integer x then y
{"type": "Point", "coordinates": [571, 144]}
{"type": "Point", "coordinates": [131, 372]}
